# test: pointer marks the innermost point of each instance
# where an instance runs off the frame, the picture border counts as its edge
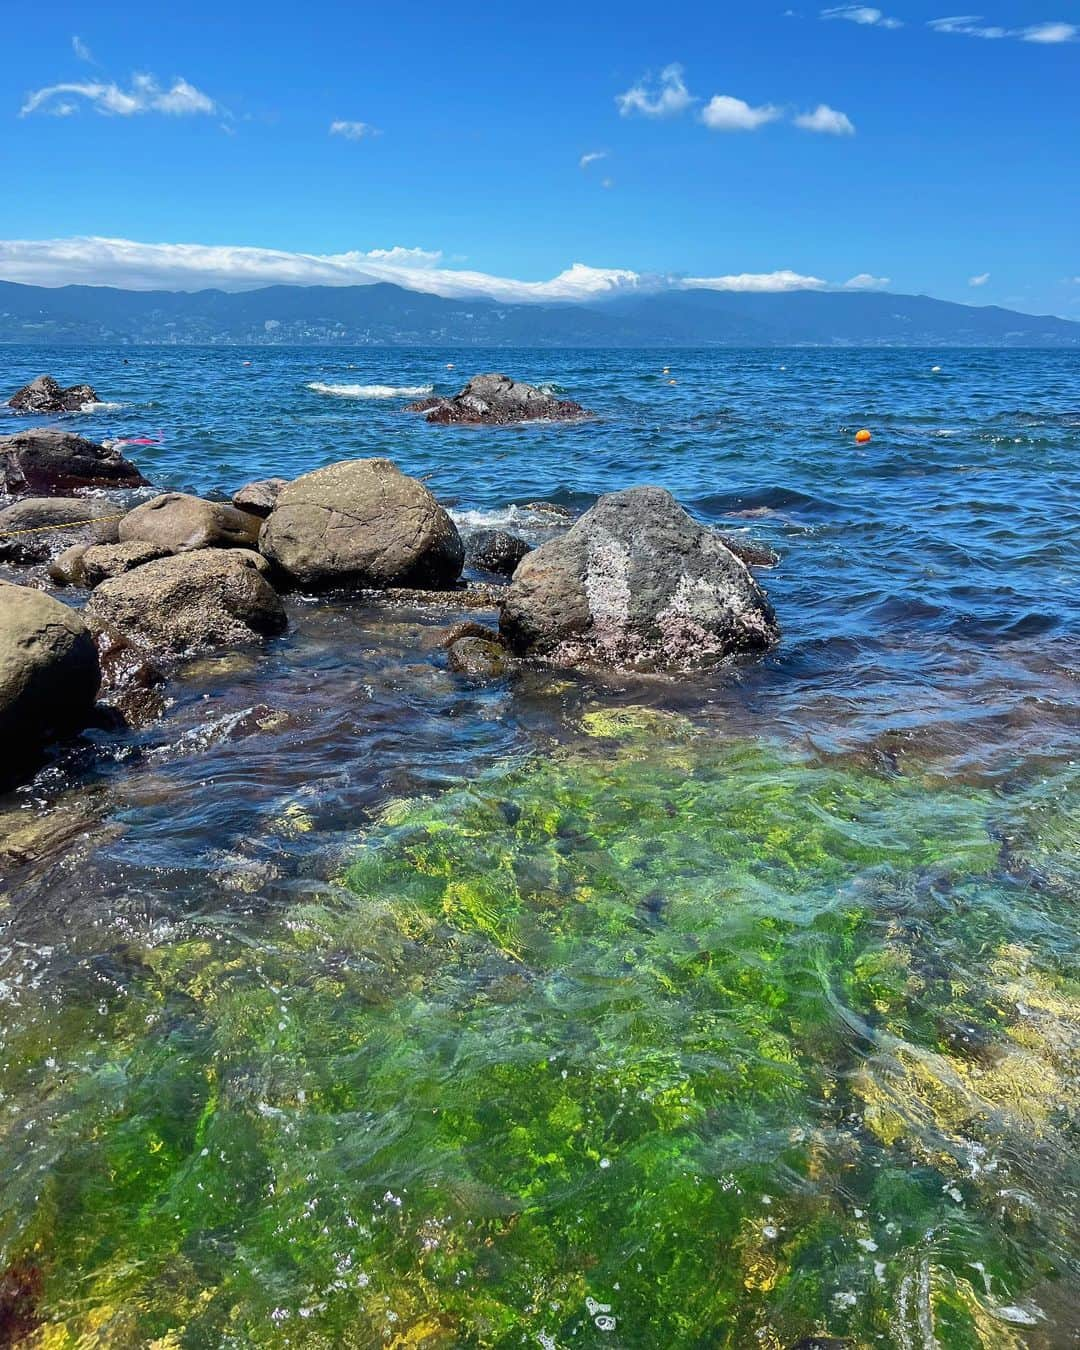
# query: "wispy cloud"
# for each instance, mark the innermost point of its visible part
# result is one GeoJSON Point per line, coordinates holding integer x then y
{"type": "Point", "coordinates": [145, 95]}
{"type": "Point", "coordinates": [864, 14]}
{"type": "Point", "coordinates": [666, 97]}
{"type": "Point", "coordinates": [189, 267]}
{"type": "Point", "coordinates": [354, 131]}
{"type": "Point", "coordinates": [591, 158]}
{"type": "Point", "coordinates": [973, 25]}
{"type": "Point", "coordinates": [724, 113]}
{"type": "Point", "coordinates": [865, 281]}
{"type": "Point", "coordinates": [980, 280]}
{"type": "Point", "coordinates": [826, 121]}
{"type": "Point", "coordinates": [81, 50]}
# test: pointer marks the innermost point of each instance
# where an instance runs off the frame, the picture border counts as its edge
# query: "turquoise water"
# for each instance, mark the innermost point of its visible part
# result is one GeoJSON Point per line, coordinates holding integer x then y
{"type": "Point", "coordinates": [351, 1004]}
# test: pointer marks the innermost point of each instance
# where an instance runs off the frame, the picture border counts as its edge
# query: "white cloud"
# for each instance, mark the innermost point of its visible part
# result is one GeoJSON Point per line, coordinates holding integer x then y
{"type": "Point", "coordinates": [724, 113]}
{"type": "Point", "coordinates": [827, 121]}
{"type": "Point", "coordinates": [980, 280]}
{"type": "Point", "coordinates": [755, 281]}
{"type": "Point", "coordinates": [666, 97]}
{"type": "Point", "coordinates": [353, 131]}
{"type": "Point", "coordinates": [866, 282]}
{"type": "Point", "coordinates": [189, 267]}
{"type": "Point", "coordinates": [145, 96]}
{"type": "Point", "coordinates": [864, 14]}
{"type": "Point", "coordinates": [81, 50]}
{"type": "Point", "coordinates": [972, 25]}
{"type": "Point", "coordinates": [591, 158]}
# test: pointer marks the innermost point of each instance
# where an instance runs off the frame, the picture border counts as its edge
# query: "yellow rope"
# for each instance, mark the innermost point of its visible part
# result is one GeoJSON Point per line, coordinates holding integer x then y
{"type": "Point", "coordinates": [70, 525]}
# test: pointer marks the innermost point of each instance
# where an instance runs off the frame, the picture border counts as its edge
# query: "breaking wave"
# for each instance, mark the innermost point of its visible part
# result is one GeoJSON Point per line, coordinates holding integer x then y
{"type": "Point", "coordinates": [371, 390]}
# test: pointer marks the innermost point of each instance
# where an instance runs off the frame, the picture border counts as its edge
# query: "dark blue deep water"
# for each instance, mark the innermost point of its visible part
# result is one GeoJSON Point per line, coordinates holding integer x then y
{"type": "Point", "coordinates": [350, 1003]}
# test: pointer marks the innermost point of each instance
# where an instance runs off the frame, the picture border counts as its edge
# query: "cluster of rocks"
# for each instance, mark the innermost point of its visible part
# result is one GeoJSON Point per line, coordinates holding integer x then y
{"type": "Point", "coordinates": [634, 584]}
{"type": "Point", "coordinates": [44, 395]}
{"type": "Point", "coordinates": [497, 400]}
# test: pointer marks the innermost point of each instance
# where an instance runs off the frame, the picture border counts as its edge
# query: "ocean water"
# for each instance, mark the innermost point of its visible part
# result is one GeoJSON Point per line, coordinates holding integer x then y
{"type": "Point", "coordinates": [350, 1003]}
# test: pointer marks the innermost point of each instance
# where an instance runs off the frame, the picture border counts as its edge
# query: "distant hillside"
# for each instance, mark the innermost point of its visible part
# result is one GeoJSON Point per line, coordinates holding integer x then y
{"type": "Point", "coordinates": [388, 315]}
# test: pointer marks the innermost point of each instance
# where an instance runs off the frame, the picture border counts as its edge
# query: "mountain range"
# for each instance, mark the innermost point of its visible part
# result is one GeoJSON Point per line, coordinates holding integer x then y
{"type": "Point", "coordinates": [384, 314]}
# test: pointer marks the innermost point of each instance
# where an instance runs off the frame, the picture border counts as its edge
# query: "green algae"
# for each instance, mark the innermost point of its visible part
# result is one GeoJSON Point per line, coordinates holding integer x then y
{"type": "Point", "coordinates": [652, 1040]}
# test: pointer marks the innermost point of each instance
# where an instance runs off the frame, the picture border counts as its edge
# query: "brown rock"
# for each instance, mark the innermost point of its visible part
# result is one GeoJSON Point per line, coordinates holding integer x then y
{"type": "Point", "coordinates": [478, 658]}
{"type": "Point", "coordinates": [179, 523]}
{"type": "Point", "coordinates": [47, 461]}
{"type": "Point", "coordinates": [259, 498]}
{"type": "Point", "coordinates": [102, 561]}
{"type": "Point", "coordinates": [44, 395]}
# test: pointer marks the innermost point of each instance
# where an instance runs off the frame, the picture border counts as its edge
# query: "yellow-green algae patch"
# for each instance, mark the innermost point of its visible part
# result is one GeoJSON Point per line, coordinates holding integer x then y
{"type": "Point", "coordinates": [653, 1040]}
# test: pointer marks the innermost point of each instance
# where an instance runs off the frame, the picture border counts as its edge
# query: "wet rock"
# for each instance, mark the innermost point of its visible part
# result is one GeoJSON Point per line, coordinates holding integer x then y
{"type": "Point", "coordinates": [362, 523]}
{"type": "Point", "coordinates": [636, 584]}
{"type": "Point", "coordinates": [49, 670]}
{"type": "Point", "coordinates": [753, 555]}
{"type": "Point", "coordinates": [66, 568]}
{"type": "Point", "coordinates": [179, 522]}
{"type": "Point", "coordinates": [495, 551]}
{"type": "Point", "coordinates": [102, 561]}
{"type": "Point", "coordinates": [549, 509]}
{"type": "Point", "coordinates": [36, 529]}
{"type": "Point", "coordinates": [190, 602]}
{"type": "Point", "coordinates": [473, 595]}
{"type": "Point", "coordinates": [44, 395]}
{"type": "Point", "coordinates": [497, 400]}
{"type": "Point", "coordinates": [466, 628]}
{"type": "Point", "coordinates": [47, 461]}
{"type": "Point", "coordinates": [130, 682]}
{"type": "Point", "coordinates": [259, 498]}
{"type": "Point", "coordinates": [22, 1285]}
{"type": "Point", "coordinates": [478, 658]}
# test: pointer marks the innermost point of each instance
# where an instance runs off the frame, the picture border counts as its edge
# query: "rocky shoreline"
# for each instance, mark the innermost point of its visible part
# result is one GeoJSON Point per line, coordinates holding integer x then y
{"type": "Point", "coordinates": [635, 584]}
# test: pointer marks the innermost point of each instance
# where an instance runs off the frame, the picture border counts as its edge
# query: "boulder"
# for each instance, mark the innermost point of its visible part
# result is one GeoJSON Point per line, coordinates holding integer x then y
{"type": "Point", "coordinates": [178, 522]}
{"type": "Point", "coordinates": [362, 523]}
{"type": "Point", "coordinates": [44, 395]}
{"type": "Point", "coordinates": [190, 602]}
{"type": "Point", "coordinates": [259, 498]}
{"type": "Point", "coordinates": [49, 670]}
{"type": "Point", "coordinates": [478, 658]}
{"type": "Point", "coordinates": [495, 551]}
{"type": "Point", "coordinates": [46, 461]}
{"type": "Point", "coordinates": [636, 583]}
{"type": "Point", "coordinates": [66, 568]}
{"type": "Point", "coordinates": [35, 529]}
{"type": "Point", "coordinates": [102, 561]}
{"type": "Point", "coordinates": [496, 400]}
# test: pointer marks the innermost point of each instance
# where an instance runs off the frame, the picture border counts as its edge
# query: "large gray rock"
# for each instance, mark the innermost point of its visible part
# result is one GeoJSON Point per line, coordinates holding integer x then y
{"type": "Point", "coordinates": [496, 400]}
{"type": "Point", "coordinates": [179, 522]}
{"type": "Point", "coordinates": [636, 584]}
{"type": "Point", "coordinates": [259, 497]}
{"type": "Point", "coordinates": [362, 523]}
{"type": "Point", "coordinates": [46, 461]}
{"type": "Point", "coordinates": [44, 395]}
{"type": "Point", "coordinates": [49, 670]}
{"type": "Point", "coordinates": [35, 529]}
{"type": "Point", "coordinates": [190, 602]}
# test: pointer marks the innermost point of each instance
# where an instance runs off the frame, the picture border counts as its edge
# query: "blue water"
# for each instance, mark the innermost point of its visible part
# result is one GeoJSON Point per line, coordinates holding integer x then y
{"type": "Point", "coordinates": [923, 697]}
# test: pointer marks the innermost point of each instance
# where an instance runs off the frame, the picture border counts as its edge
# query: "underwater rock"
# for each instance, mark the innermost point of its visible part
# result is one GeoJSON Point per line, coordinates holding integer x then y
{"type": "Point", "coordinates": [45, 395]}
{"type": "Point", "coordinates": [49, 669]}
{"type": "Point", "coordinates": [46, 461]}
{"type": "Point", "coordinates": [478, 657]}
{"type": "Point", "coordinates": [497, 400]}
{"type": "Point", "coordinates": [636, 583]}
{"type": "Point", "coordinates": [259, 498]}
{"type": "Point", "coordinates": [465, 628]}
{"type": "Point", "coordinates": [495, 551]}
{"type": "Point", "coordinates": [130, 682]}
{"type": "Point", "coordinates": [36, 529]}
{"type": "Point", "coordinates": [363, 523]}
{"type": "Point", "coordinates": [179, 522]}
{"type": "Point", "coordinates": [102, 561]}
{"type": "Point", "coordinates": [191, 602]}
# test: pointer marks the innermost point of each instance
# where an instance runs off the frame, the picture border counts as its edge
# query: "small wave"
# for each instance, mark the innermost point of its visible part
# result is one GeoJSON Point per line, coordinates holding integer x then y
{"type": "Point", "coordinates": [92, 407]}
{"type": "Point", "coordinates": [371, 390]}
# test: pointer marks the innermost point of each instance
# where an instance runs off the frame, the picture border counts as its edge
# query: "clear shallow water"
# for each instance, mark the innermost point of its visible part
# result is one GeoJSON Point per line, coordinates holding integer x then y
{"type": "Point", "coordinates": [350, 1004]}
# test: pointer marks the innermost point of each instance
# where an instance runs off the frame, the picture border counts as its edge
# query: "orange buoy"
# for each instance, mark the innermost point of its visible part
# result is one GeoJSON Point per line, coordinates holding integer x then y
{"type": "Point", "coordinates": [862, 437]}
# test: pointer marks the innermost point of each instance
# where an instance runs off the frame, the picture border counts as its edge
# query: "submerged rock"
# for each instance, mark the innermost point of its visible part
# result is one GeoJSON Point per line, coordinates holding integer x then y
{"type": "Point", "coordinates": [191, 602]}
{"type": "Point", "coordinates": [45, 395]}
{"type": "Point", "coordinates": [363, 523]}
{"type": "Point", "coordinates": [130, 682]}
{"type": "Point", "coordinates": [36, 529]}
{"type": "Point", "coordinates": [179, 522]}
{"type": "Point", "coordinates": [497, 400]}
{"type": "Point", "coordinates": [49, 670]}
{"type": "Point", "coordinates": [636, 583]}
{"type": "Point", "coordinates": [464, 628]}
{"type": "Point", "coordinates": [479, 658]}
{"type": "Point", "coordinates": [259, 498]}
{"type": "Point", "coordinates": [46, 461]}
{"type": "Point", "coordinates": [495, 551]}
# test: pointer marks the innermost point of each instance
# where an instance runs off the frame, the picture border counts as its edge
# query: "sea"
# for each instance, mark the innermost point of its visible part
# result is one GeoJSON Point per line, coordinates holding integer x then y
{"type": "Point", "coordinates": [351, 1002]}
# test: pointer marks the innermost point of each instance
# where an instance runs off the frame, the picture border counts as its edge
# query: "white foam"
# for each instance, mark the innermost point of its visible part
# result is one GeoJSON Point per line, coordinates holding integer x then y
{"type": "Point", "coordinates": [371, 390]}
{"type": "Point", "coordinates": [507, 517]}
{"type": "Point", "coordinates": [92, 407]}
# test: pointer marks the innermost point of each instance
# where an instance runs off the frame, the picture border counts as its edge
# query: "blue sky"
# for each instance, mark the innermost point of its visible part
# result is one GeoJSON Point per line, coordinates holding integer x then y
{"type": "Point", "coordinates": [903, 146]}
